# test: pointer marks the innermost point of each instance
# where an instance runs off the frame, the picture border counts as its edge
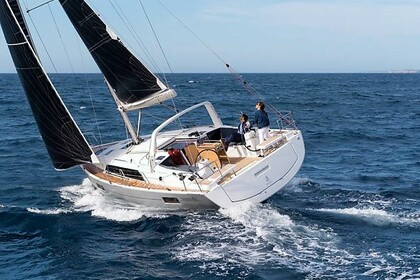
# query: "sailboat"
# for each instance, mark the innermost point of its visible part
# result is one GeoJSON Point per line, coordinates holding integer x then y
{"type": "Point", "coordinates": [185, 168]}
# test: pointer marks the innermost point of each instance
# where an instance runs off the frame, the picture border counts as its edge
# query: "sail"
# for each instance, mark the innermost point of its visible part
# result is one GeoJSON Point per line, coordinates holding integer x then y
{"type": "Point", "coordinates": [133, 84]}
{"type": "Point", "coordinates": [15, 6]}
{"type": "Point", "coordinates": [65, 143]}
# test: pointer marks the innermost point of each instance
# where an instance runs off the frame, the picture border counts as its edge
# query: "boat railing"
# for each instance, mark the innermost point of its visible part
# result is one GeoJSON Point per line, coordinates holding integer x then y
{"type": "Point", "coordinates": [218, 172]}
{"type": "Point", "coordinates": [203, 182]}
{"type": "Point", "coordinates": [286, 121]}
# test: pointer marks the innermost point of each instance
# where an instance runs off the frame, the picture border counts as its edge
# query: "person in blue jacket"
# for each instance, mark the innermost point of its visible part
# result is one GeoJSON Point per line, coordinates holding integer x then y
{"type": "Point", "coordinates": [238, 136]}
{"type": "Point", "coordinates": [261, 121]}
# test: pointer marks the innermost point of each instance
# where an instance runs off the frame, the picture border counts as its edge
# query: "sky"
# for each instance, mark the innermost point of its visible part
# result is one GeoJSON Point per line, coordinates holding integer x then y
{"type": "Point", "coordinates": [255, 36]}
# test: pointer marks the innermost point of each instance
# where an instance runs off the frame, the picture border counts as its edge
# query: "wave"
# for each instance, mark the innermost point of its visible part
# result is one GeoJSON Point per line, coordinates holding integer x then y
{"type": "Point", "coordinates": [55, 211]}
{"type": "Point", "coordinates": [375, 216]}
{"type": "Point", "coordinates": [301, 184]}
{"type": "Point", "coordinates": [86, 198]}
{"type": "Point", "coordinates": [249, 235]}
{"type": "Point", "coordinates": [376, 271]}
{"type": "Point", "coordinates": [379, 178]}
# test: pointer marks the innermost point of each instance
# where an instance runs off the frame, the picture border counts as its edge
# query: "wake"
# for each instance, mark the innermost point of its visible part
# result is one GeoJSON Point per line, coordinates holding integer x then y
{"type": "Point", "coordinates": [86, 198]}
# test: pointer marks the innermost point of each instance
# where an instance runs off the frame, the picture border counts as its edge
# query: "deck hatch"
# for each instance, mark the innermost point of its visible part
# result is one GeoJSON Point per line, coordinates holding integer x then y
{"type": "Point", "coordinates": [124, 172]}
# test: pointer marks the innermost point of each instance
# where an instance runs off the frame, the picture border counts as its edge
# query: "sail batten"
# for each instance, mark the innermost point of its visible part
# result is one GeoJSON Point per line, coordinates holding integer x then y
{"type": "Point", "coordinates": [15, 7]}
{"type": "Point", "coordinates": [130, 79]}
{"type": "Point", "coordinates": [63, 139]}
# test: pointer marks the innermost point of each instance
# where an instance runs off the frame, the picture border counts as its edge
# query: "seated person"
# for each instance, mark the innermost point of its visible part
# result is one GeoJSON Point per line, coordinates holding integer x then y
{"type": "Point", "coordinates": [176, 156]}
{"type": "Point", "coordinates": [238, 137]}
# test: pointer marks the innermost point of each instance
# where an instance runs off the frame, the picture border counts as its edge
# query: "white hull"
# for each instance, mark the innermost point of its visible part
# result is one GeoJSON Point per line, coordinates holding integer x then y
{"type": "Point", "coordinates": [263, 179]}
{"type": "Point", "coordinates": [258, 181]}
{"type": "Point", "coordinates": [155, 198]}
{"type": "Point", "coordinates": [185, 168]}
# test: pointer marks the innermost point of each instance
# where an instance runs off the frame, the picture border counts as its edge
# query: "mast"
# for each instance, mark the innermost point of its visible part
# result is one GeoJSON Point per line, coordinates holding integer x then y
{"type": "Point", "coordinates": [124, 116]}
{"type": "Point", "coordinates": [63, 139]}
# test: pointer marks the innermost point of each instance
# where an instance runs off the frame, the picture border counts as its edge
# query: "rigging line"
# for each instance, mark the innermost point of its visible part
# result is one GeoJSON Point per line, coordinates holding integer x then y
{"type": "Point", "coordinates": [153, 116]}
{"type": "Point", "coordinates": [249, 88]}
{"type": "Point", "coordinates": [61, 38]}
{"type": "Point", "coordinates": [57, 106]}
{"type": "Point", "coordinates": [285, 118]}
{"type": "Point", "coordinates": [157, 40]}
{"type": "Point", "coordinates": [252, 90]}
{"type": "Point", "coordinates": [54, 109]}
{"type": "Point", "coordinates": [193, 33]}
{"type": "Point", "coordinates": [164, 55]}
{"type": "Point", "coordinates": [29, 36]}
{"type": "Point", "coordinates": [39, 6]}
{"type": "Point", "coordinates": [89, 90]}
{"type": "Point", "coordinates": [43, 109]}
{"type": "Point", "coordinates": [42, 42]}
{"type": "Point", "coordinates": [174, 109]}
{"type": "Point", "coordinates": [177, 111]}
{"type": "Point", "coordinates": [169, 107]}
{"type": "Point", "coordinates": [133, 32]}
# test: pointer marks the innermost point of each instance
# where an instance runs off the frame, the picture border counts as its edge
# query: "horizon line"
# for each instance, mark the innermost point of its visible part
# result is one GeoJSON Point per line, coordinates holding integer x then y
{"type": "Point", "coordinates": [361, 72]}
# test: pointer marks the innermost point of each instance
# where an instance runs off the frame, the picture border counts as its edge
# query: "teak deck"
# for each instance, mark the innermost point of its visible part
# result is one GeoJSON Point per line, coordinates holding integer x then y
{"type": "Point", "coordinates": [112, 179]}
{"type": "Point", "coordinates": [239, 163]}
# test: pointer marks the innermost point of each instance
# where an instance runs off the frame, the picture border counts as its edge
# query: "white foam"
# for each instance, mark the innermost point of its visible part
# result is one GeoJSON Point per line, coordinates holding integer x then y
{"type": "Point", "coordinates": [55, 211]}
{"type": "Point", "coordinates": [248, 235]}
{"type": "Point", "coordinates": [372, 271]}
{"type": "Point", "coordinates": [375, 216]}
{"type": "Point", "coordinates": [295, 185]}
{"type": "Point", "coordinates": [2, 206]}
{"type": "Point", "coordinates": [300, 181]}
{"type": "Point", "coordinates": [394, 272]}
{"type": "Point", "coordinates": [258, 218]}
{"type": "Point", "coordinates": [85, 198]}
{"type": "Point", "coordinates": [405, 275]}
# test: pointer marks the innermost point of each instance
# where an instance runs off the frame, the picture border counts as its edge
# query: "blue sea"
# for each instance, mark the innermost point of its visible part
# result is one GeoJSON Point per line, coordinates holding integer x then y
{"type": "Point", "coordinates": [352, 212]}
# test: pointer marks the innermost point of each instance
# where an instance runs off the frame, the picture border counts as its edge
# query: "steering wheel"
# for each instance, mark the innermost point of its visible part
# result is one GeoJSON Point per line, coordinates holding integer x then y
{"type": "Point", "coordinates": [211, 156]}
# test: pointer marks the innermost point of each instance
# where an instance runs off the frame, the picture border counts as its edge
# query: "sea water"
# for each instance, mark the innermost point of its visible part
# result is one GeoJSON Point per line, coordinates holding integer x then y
{"type": "Point", "coordinates": [352, 212]}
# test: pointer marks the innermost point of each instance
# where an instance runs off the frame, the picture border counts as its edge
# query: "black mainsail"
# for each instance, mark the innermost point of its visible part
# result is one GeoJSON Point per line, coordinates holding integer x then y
{"type": "Point", "coordinates": [65, 143]}
{"type": "Point", "coordinates": [131, 81]}
{"type": "Point", "coordinates": [15, 6]}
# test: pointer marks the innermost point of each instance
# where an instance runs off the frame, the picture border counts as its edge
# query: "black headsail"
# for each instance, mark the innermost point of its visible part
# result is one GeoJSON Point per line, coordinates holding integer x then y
{"type": "Point", "coordinates": [65, 143]}
{"type": "Point", "coordinates": [128, 77]}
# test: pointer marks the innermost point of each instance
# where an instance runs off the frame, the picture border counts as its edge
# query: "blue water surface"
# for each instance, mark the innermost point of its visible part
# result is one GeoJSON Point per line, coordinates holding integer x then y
{"type": "Point", "coordinates": [352, 212]}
